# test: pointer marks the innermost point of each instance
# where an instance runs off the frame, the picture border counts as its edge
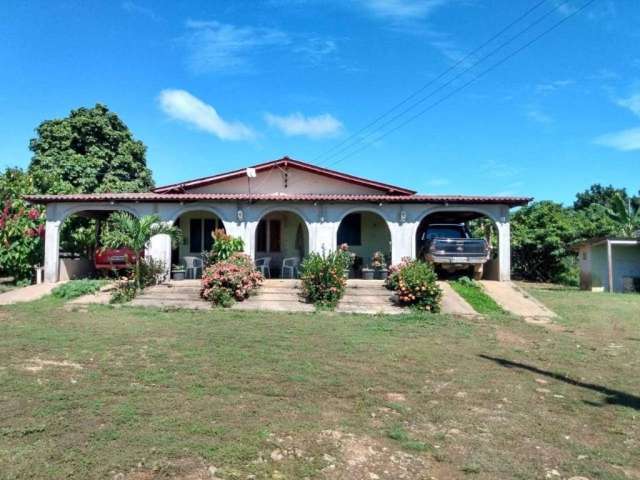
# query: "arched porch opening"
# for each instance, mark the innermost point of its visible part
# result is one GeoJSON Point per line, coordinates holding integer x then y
{"type": "Point", "coordinates": [368, 236]}
{"type": "Point", "coordinates": [459, 242]}
{"type": "Point", "coordinates": [281, 242]}
{"type": "Point", "coordinates": [79, 252]}
{"type": "Point", "coordinates": [197, 227]}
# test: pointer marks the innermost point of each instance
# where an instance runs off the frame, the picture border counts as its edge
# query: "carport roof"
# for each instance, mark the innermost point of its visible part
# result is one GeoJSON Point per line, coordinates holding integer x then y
{"type": "Point", "coordinates": [150, 197]}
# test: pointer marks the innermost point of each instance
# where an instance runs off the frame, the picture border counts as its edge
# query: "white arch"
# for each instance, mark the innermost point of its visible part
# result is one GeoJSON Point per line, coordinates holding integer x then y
{"type": "Point", "coordinates": [456, 208]}
{"type": "Point", "coordinates": [361, 209]}
{"type": "Point", "coordinates": [253, 224]}
{"type": "Point", "coordinates": [194, 207]}
{"type": "Point", "coordinates": [65, 214]}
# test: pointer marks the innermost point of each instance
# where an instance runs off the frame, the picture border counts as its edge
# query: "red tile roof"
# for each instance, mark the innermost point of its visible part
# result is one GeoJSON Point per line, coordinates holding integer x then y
{"type": "Point", "coordinates": [385, 188]}
{"type": "Point", "coordinates": [196, 197]}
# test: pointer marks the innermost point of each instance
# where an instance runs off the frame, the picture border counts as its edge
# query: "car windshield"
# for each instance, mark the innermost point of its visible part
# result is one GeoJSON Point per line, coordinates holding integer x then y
{"type": "Point", "coordinates": [443, 232]}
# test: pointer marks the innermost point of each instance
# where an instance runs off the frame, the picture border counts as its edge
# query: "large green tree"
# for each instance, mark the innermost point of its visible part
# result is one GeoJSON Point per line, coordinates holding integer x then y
{"type": "Point", "coordinates": [541, 236]}
{"type": "Point", "coordinates": [89, 151]}
{"type": "Point", "coordinates": [600, 195]}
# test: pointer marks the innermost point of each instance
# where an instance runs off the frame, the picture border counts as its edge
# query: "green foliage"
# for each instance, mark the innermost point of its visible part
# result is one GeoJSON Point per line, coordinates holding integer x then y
{"type": "Point", "coordinates": [323, 279]}
{"type": "Point", "coordinates": [541, 235]}
{"type": "Point", "coordinates": [224, 246]}
{"type": "Point", "coordinates": [77, 288]}
{"type": "Point", "coordinates": [89, 151]}
{"type": "Point", "coordinates": [475, 296]}
{"type": "Point", "coordinates": [601, 195]}
{"type": "Point", "coordinates": [148, 272]}
{"type": "Point", "coordinates": [78, 235]}
{"type": "Point", "coordinates": [21, 226]}
{"type": "Point", "coordinates": [625, 215]}
{"type": "Point", "coordinates": [125, 230]}
{"type": "Point", "coordinates": [414, 281]}
{"type": "Point", "coordinates": [228, 280]}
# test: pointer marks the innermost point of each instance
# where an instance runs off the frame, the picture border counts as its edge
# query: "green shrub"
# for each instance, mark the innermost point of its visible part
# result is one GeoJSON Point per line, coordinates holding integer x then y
{"type": "Point", "coordinates": [77, 288]}
{"type": "Point", "coordinates": [147, 273]}
{"type": "Point", "coordinates": [415, 284]}
{"type": "Point", "coordinates": [223, 247]}
{"type": "Point", "coordinates": [229, 280]}
{"type": "Point", "coordinates": [323, 278]}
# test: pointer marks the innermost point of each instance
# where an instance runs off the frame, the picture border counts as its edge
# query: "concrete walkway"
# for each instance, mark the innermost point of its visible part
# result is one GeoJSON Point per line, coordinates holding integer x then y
{"type": "Point", "coordinates": [516, 301]}
{"type": "Point", "coordinates": [453, 303]}
{"type": "Point", "coordinates": [368, 297]}
{"type": "Point", "coordinates": [27, 294]}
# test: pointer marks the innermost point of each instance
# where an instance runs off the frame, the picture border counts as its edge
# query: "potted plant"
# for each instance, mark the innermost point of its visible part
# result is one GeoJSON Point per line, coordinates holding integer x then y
{"type": "Point", "coordinates": [178, 272]}
{"type": "Point", "coordinates": [367, 273]}
{"type": "Point", "coordinates": [347, 259]}
{"type": "Point", "coordinates": [379, 265]}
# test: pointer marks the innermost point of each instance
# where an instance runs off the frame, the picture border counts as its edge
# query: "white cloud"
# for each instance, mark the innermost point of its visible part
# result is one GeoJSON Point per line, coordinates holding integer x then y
{"type": "Point", "coordinates": [632, 103]}
{"type": "Point", "coordinates": [625, 140]}
{"type": "Point", "coordinates": [134, 8]}
{"type": "Point", "coordinates": [320, 126]}
{"type": "Point", "coordinates": [221, 47]}
{"type": "Point", "coordinates": [181, 105]}
{"type": "Point", "coordinates": [554, 86]}
{"type": "Point", "coordinates": [537, 115]}
{"type": "Point", "coordinates": [403, 9]}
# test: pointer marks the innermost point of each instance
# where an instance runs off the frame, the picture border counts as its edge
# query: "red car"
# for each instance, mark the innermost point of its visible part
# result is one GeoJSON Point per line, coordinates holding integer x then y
{"type": "Point", "coordinates": [115, 258]}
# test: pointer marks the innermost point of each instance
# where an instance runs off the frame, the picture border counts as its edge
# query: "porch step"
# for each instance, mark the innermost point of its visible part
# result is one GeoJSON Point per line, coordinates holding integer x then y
{"type": "Point", "coordinates": [367, 297]}
{"type": "Point", "coordinates": [255, 303]}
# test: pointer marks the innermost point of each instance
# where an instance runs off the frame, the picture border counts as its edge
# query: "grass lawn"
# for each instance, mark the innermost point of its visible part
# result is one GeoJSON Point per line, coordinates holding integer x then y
{"type": "Point", "coordinates": [141, 394]}
{"type": "Point", "coordinates": [476, 297]}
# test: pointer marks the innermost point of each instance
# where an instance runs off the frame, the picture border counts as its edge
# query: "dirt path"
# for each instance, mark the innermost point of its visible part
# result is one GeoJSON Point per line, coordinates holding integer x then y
{"type": "Point", "coordinates": [454, 304]}
{"type": "Point", "coordinates": [517, 302]}
{"type": "Point", "coordinates": [27, 294]}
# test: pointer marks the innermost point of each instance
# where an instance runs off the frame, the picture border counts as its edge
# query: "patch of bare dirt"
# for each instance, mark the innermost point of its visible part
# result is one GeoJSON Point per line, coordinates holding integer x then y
{"type": "Point", "coordinates": [506, 337]}
{"type": "Point", "coordinates": [364, 458]}
{"type": "Point", "coordinates": [395, 397]}
{"type": "Point", "coordinates": [36, 365]}
{"type": "Point", "coordinates": [182, 469]}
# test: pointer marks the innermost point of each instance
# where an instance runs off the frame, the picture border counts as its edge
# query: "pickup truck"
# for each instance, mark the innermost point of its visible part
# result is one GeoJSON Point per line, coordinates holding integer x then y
{"type": "Point", "coordinates": [451, 248]}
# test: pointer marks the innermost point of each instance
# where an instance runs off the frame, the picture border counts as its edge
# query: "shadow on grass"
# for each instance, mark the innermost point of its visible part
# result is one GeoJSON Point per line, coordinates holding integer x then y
{"type": "Point", "coordinates": [613, 397]}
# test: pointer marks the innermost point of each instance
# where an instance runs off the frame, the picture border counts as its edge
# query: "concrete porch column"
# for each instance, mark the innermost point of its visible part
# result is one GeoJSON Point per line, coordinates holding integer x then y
{"type": "Point", "coordinates": [402, 241]}
{"type": "Point", "coordinates": [52, 251]}
{"type": "Point", "coordinates": [504, 250]}
{"type": "Point", "coordinates": [160, 249]}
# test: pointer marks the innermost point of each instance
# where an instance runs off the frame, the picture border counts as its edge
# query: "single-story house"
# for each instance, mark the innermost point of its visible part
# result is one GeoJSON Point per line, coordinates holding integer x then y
{"type": "Point", "coordinates": [609, 264]}
{"type": "Point", "coordinates": [287, 208]}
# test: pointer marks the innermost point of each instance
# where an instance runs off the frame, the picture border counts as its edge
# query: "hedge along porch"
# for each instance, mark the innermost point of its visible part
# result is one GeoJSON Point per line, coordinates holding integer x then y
{"type": "Point", "coordinates": [318, 197]}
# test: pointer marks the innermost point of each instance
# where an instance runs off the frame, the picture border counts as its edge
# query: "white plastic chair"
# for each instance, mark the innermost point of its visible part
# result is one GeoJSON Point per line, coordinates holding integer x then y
{"type": "Point", "coordinates": [194, 266]}
{"type": "Point", "coordinates": [290, 265]}
{"type": "Point", "coordinates": [264, 265]}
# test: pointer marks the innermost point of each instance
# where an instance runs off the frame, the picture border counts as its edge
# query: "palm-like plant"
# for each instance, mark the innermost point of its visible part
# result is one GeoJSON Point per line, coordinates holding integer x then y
{"type": "Point", "coordinates": [625, 215]}
{"type": "Point", "coordinates": [124, 230]}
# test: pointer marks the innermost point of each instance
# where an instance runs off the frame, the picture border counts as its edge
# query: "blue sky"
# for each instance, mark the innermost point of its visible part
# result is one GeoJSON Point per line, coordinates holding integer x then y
{"type": "Point", "coordinates": [213, 85]}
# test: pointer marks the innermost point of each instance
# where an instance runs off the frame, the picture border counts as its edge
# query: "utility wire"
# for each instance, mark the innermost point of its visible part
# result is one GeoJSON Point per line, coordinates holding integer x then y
{"type": "Point", "coordinates": [463, 86]}
{"type": "Point", "coordinates": [432, 81]}
{"type": "Point", "coordinates": [451, 80]}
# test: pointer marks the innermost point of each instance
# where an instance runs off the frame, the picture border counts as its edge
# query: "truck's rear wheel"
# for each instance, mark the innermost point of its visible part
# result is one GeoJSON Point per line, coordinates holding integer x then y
{"type": "Point", "coordinates": [478, 270]}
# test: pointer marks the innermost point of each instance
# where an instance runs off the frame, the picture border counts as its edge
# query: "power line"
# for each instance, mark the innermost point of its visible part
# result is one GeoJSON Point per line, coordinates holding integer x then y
{"type": "Point", "coordinates": [477, 77]}
{"type": "Point", "coordinates": [434, 80]}
{"type": "Point", "coordinates": [451, 80]}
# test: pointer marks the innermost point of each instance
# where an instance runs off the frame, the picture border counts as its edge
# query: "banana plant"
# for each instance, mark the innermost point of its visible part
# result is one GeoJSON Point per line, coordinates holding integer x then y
{"type": "Point", "coordinates": [625, 215]}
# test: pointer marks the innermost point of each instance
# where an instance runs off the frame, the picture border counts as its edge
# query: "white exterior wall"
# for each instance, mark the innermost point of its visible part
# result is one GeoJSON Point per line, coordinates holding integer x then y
{"type": "Point", "coordinates": [322, 220]}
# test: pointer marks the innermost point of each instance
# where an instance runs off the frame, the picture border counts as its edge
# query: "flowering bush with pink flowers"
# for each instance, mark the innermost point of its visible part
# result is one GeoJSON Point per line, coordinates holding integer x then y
{"type": "Point", "coordinates": [230, 280]}
{"type": "Point", "coordinates": [21, 227]}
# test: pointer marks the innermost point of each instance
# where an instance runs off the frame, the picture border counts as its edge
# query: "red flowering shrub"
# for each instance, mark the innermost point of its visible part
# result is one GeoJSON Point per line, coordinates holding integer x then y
{"type": "Point", "coordinates": [415, 284]}
{"type": "Point", "coordinates": [227, 281]}
{"type": "Point", "coordinates": [21, 227]}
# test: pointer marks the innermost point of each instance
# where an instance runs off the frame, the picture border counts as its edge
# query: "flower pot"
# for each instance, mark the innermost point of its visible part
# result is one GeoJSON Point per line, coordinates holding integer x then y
{"type": "Point", "coordinates": [178, 275]}
{"type": "Point", "coordinates": [381, 274]}
{"type": "Point", "coordinates": [367, 274]}
{"type": "Point", "coordinates": [346, 273]}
